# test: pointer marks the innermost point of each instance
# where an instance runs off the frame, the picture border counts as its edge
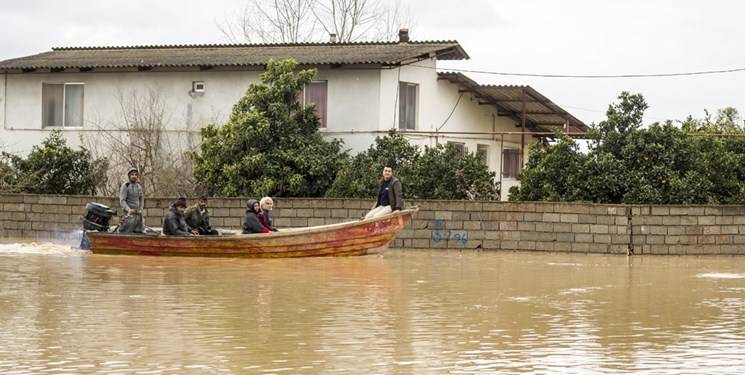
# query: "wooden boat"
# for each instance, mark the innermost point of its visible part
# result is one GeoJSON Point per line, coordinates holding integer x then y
{"type": "Point", "coordinates": [361, 237]}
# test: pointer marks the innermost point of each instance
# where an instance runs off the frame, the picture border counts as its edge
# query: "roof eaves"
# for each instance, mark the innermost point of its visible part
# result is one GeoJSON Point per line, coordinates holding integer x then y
{"type": "Point", "coordinates": [239, 45]}
{"type": "Point", "coordinates": [467, 82]}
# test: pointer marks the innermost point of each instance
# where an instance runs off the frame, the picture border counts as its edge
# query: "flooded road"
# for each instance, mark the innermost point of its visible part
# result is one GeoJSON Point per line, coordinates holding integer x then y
{"type": "Point", "coordinates": [404, 312]}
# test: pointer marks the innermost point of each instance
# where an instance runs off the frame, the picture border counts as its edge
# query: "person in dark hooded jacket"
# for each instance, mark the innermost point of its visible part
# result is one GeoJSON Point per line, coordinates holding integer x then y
{"type": "Point", "coordinates": [174, 223]}
{"type": "Point", "coordinates": [251, 223]}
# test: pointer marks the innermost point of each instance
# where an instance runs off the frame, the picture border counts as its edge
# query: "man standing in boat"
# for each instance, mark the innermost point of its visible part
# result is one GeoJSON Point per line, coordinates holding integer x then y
{"type": "Point", "coordinates": [132, 200]}
{"type": "Point", "coordinates": [390, 197]}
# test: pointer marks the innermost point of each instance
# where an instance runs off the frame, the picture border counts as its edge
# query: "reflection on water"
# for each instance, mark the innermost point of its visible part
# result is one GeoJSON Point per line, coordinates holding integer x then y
{"type": "Point", "coordinates": [62, 310]}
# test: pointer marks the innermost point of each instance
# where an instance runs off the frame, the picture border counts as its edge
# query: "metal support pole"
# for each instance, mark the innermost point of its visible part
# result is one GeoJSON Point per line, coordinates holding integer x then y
{"type": "Point", "coordinates": [629, 216]}
{"type": "Point", "coordinates": [501, 160]}
{"type": "Point", "coordinates": [522, 125]}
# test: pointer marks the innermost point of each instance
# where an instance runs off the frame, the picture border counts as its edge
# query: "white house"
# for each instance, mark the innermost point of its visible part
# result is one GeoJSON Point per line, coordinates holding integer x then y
{"type": "Point", "coordinates": [362, 90]}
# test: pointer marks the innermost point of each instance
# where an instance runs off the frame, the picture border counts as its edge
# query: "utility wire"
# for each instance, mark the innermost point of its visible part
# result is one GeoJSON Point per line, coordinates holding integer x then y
{"type": "Point", "coordinates": [451, 112]}
{"type": "Point", "coordinates": [590, 76]}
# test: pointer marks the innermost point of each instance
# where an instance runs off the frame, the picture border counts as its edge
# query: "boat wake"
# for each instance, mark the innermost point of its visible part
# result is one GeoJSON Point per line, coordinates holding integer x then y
{"type": "Point", "coordinates": [721, 275]}
{"type": "Point", "coordinates": [43, 248]}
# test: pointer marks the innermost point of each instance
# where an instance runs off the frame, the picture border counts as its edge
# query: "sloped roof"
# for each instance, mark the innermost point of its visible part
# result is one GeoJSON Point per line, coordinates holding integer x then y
{"type": "Point", "coordinates": [539, 111]}
{"type": "Point", "coordinates": [234, 55]}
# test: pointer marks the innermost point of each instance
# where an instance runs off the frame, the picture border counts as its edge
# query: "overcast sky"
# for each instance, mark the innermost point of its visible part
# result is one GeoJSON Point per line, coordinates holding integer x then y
{"type": "Point", "coordinates": [538, 36]}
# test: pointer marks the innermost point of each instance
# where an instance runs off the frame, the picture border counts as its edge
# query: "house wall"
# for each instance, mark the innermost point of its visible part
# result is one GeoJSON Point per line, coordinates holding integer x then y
{"type": "Point", "coordinates": [439, 109]}
{"type": "Point", "coordinates": [3, 107]}
{"type": "Point", "coordinates": [352, 101]}
{"type": "Point", "coordinates": [362, 104]}
{"type": "Point", "coordinates": [102, 93]}
{"type": "Point", "coordinates": [352, 109]}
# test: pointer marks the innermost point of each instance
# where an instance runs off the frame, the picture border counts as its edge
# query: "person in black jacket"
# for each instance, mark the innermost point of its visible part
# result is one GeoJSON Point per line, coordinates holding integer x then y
{"type": "Point", "coordinates": [251, 223]}
{"type": "Point", "coordinates": [390, 198]}
{"type": "Point", "coordinates": [198, 217]}
{"type": "Point", "coordinates": [174, 223]}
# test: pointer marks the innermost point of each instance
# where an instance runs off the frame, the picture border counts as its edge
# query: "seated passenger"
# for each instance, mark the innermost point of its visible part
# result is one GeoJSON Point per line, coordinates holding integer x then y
{"type": "Point", "coordinates": [267, 204]}
{"type": "Point", "coordinates": [251, 223]}
{"type": "Point", "coordinates": [390, 198]}
{"type": "Point", "coordinates": [198, 217]}
{"type": "Point", "coordinates": [174, 223]}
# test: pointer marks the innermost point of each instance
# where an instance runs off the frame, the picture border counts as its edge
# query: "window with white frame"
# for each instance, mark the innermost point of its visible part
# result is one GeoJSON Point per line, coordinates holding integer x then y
{"type": "Point", "coordinates": [62, 104]}
{"type": "Point", "coordinates": [316, 93]}
{"type": "Point", "coordinates": [407, 105]}
{"type": "Point", "coordinates": [510, 162]}
{"type": "Point", "coordinates": [482, 152]}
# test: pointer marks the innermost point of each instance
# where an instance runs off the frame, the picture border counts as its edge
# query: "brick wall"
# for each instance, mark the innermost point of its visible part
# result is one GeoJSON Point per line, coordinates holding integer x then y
{"type": "Point", "coordinates": [532, 226]}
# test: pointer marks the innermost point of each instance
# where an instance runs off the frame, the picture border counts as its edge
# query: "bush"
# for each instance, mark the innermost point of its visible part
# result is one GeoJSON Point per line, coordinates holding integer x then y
{"type": "Point", "coordinates": [445, 172]}
{"type": "Point", "coordinates": [554, 173]}
{"type": "Point", "coordinates": [441, 172]}
{"type": "Point", "coordinates": [360, 176]}
{"type": "Point", "coordinates": [53, 168]}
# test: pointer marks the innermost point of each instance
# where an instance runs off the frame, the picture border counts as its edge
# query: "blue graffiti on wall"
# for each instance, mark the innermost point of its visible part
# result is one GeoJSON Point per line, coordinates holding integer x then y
{"type": "Point", "coordinates": [442, 233]}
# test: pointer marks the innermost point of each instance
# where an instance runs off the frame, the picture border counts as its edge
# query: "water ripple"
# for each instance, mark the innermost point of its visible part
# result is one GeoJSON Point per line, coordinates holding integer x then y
{"type": "Point", "coordinates": [721, 275]}
{"type": "Point", "coordinates": [405, 312]}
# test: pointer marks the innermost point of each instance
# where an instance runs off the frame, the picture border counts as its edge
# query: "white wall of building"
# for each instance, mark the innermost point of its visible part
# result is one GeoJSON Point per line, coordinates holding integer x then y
{"type": "Point", "coordinates": [352, 108]}
{"type": "Point", "coordinates": [439, 109]}
{"type": "Point", "coordinates": [102, 109]}
{"type": "Point", "coordinates": [362, 104]}
{"type": "Point", "coordinates": [352, 101]}
{"type": "Point", "coordinates": [3, 108]}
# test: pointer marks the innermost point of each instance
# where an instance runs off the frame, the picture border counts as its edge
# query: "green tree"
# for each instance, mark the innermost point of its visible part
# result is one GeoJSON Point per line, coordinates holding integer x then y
{"type": "Point", "coordinates": [359, 177]}
{"type": "Point", "coordinates": [726, 121]}
{"type": "Point", "coordinates": [660, 165]}
{"type": "Point", "coordinates": [54, 168]}
{"type": "Point", "coordinates": [626, 163]}
{"type": "Point", "coordinates": [271, 144]}
{"type": "Point", "coordinates": [8, 174]}
{"type": "Point", "coordinates": [445, 172]}
{"type": "Point", "coordinates": [720, 146]}
{"type": "Point", "coordinates": [554, 172]}
{"type": "Point", "coordinates": [607, 178]}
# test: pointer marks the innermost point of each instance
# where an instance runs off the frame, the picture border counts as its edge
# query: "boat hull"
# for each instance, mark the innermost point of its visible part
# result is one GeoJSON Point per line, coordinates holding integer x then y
{"type": "Point", "coordinates": [362, 237]}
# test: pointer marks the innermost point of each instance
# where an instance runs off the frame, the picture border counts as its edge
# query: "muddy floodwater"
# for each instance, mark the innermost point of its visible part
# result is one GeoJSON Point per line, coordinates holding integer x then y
{"type": "Point", "coordinates": [428, 312]}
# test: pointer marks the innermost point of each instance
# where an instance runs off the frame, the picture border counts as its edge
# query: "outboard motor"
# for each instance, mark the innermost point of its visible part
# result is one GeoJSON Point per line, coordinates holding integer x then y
{"type": "Point", "coordinates": [96, 217]}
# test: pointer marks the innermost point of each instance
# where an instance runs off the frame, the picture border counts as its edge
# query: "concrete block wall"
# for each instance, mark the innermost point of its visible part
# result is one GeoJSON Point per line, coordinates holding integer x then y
{"type": "Point", "coordinates": [42, 217]}
{"type": "Point", "coordinates": [490, 225]}
{"type": "Point", "coordinates": [697, 230]}
{"type": "Point", "coordinates": [518, 226]}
